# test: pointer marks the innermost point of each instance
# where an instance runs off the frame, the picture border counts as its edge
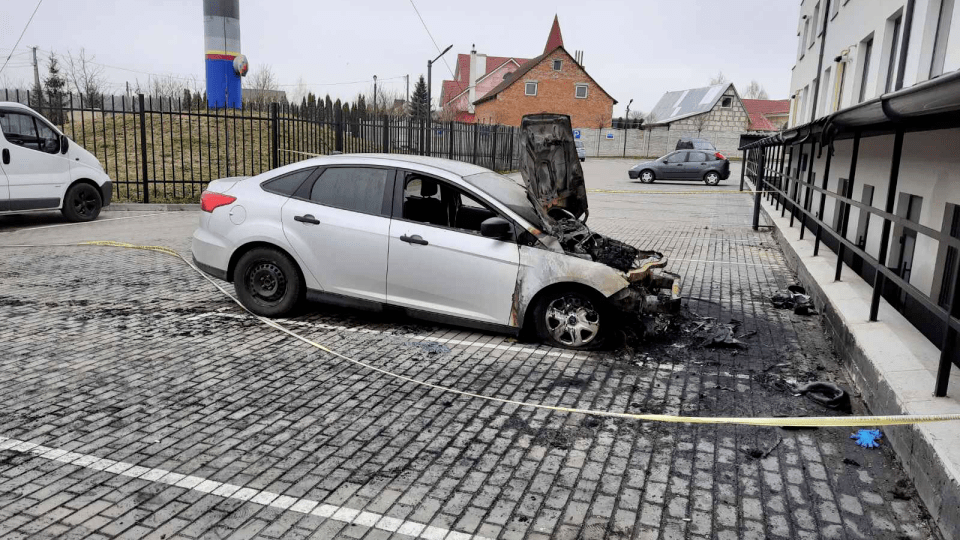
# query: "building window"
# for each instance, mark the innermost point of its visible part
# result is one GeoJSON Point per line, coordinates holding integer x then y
{"type": "Point", "coordinates": [557, 64]}
{"type": "Point", "coordinates": [893, 52]}
{"type": "Point", "coordinates": [581, 91]}
{"type": "Point", "coordinates": [951, 225]}
{"type": "Point", "coordinates": [816, 23]}
{"type": "Point", "coordinates": [824, 86]}
{"type": "Point", "coordinates": [726, 103]}
{"type": "Point", "coordinates": [941, 37]}
{"type": "Point", "coordinates": [530, 89]}
{"type": "Point", "coordinates": [805, 38]}
{"type": "Point", "coordinates": [866, 48]}
{"type": "Point", "coordinates": [838, 86]}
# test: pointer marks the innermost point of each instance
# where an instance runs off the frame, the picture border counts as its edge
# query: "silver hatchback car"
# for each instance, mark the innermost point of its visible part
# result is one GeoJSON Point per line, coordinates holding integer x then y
{"type": "Point", "coordinates": [438, 239]}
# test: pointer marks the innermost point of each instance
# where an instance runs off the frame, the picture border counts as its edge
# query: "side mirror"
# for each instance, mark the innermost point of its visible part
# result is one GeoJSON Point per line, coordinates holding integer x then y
{"type": "Point", "coordinates": [495, 227]}
{"type": "Point", "coordinates": [64, 144]}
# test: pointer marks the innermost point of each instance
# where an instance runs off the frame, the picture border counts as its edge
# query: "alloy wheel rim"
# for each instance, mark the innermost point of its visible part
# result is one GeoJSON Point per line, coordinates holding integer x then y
{"type": "Point", "coordinates": [572, 320]}
{"type": "Point", "coordinates": [84, 203]}
{"type": "Point", "coordinates": [266, 282]}
{"type": "Point", "coordinates": [646, 177]}
{"type": "Point", "coordinates": [712, 178]}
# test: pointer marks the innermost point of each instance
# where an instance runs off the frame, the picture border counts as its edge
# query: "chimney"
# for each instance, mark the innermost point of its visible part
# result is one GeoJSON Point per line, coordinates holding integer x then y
{"type": "Point", "coordinates": [478, 66]}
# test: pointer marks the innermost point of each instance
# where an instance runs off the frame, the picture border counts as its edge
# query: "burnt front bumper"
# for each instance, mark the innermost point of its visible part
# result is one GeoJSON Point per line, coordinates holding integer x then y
{"type": "Point", "coordinates": [652, 289]}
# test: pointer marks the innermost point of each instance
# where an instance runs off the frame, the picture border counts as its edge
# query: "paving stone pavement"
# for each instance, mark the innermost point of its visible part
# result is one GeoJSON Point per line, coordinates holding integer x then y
{"type": "Point", "coordinates": [137, 401]}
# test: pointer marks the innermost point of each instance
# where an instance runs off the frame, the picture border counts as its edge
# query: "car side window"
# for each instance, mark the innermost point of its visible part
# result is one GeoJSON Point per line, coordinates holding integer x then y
{"type": "Point", "coordinates": [696, 157]}
{"type": "Point", "coordinates": [289, 183]}
{"type": "Point", "coordinates": [676, 157]}
{"type": "Point", "coordinates": [358, 189]}
{"type": "Point", "coordinates": [428, 200]}
{"type": "Point", "coordinates": [20, 129]}
{"type": "Point", "coordinates": [49, 140]}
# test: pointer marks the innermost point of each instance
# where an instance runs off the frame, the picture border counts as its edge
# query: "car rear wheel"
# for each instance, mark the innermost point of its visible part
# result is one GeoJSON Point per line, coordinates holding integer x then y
{"type": "Point", "coordinates": [646, 176]}
{"type": "Point", "coordinates": [268, 282]}
{"type": "Point", "coordinates": [574, 319]}
{"type": "Point", "coordinates": [711, 178]}
{"type": "Point", "coordinates": [82, 203]}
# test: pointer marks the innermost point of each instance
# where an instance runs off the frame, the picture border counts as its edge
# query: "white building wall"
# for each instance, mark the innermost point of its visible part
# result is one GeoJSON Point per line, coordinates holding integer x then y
{"type": "Point", "coordinates": [854, 22]}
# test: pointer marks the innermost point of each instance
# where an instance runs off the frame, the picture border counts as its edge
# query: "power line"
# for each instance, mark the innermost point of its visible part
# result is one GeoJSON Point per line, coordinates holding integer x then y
{"type": "Point", "coordinates": [431, 38]}
{"type": "Point", "coordinates": [21, 35]}
{"type": "Point", "coordinates": [344, 83]}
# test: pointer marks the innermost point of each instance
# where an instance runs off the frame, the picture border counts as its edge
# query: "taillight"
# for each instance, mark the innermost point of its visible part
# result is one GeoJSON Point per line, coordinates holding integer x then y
{"type": "Point", "coordinates": [210, 201]}
{"type": "Point", "coordinates": [718, 155]}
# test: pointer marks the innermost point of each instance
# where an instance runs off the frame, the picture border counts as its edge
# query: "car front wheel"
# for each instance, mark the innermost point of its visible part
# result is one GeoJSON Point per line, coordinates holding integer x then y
{"type": "Point", "coordinates": [646, 177]}
{"type": "Point", "coordinates": [82, 203]}
{"type": "Point", "coordinates": [711, 178]}
{"type": "Point", "coordinates": [572, 319]}
{"type": "Point", "coordinates": [267, 282]}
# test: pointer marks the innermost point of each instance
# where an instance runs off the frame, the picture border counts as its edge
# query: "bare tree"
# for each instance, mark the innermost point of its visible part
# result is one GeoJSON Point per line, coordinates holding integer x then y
{"type": "Point", "coordinates": [700, 122]}
{"type": "Point", "coordinates": [262, 83]}
{"type": "Point", "coordinates": [719, 79]}
{"type": "Point", "coordinates": [86, 77]}
{"type": "Point", "coordinates": [755, 90]}
{"type": "Point", "coordinates": [300, 91]}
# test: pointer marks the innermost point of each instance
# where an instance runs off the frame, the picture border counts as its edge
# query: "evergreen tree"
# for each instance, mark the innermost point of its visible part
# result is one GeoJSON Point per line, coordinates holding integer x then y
{"type": "Point", "coordinates": [186, 99]}
{"type": "Point", "coordinates": [36, 97]}
{"type": "Point", "coordinates": [328, 106]}
{"type": "Point", "coordinates": [419, 106]}
{"type": "Point", "coordinates": [354, 120]}
{"type": "Point", "coordinates": [311, 100]}
{"type": "Point", "coordinates": [362, 106]}
{"type": "Point", "coordinates": [55, 85]}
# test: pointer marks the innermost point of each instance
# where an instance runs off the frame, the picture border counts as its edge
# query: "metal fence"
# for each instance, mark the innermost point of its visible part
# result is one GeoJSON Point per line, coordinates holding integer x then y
{"type": "Point", "coordinates": [169, 148]}
{"type": "Point", "coordinates": [765, 165]}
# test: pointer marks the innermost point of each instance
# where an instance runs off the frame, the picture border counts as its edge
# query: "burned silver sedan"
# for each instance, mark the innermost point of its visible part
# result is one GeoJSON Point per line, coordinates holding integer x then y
{"type": "Point", "coordinates": [437, 239]}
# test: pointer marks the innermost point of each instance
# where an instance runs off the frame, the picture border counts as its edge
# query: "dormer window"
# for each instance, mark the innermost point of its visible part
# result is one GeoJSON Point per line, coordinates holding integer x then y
{"type": "Point", "coordinates": [726, 103]}
{"type": "Point", "coordinates": [557, 64]}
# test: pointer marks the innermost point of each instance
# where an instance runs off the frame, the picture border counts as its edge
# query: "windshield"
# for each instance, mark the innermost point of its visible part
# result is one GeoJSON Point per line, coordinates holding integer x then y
{"type": "Point", "coordinates": [508, 192]}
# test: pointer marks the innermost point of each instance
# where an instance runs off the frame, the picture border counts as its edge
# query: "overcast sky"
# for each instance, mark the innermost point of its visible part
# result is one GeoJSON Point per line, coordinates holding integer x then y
{"type": "Point", "coordinates": [635, 49]}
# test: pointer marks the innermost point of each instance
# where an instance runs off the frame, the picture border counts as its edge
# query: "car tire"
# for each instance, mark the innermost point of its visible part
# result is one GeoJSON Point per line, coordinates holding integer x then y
{"type": "Point", "coordinates": [572, 318]}
{"type": "Point", "coordinates": [647, 176]}
{"type": "Point", "coordinates": [81, 203]}
{"type": "Point", "coordinates": [582, 159]}
{"type": "Point", "coordinates": [268, 282]}
{"type": "Point", "coordinates": [712, 178]}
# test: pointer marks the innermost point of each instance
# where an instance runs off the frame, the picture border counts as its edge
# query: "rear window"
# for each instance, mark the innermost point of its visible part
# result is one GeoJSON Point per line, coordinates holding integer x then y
{"type": "Point", "coordinates": [358, 189]}
{"type": "Point", "coordinates": [703, 145]}
{"type": "Point", "coordinates": [288, 183]}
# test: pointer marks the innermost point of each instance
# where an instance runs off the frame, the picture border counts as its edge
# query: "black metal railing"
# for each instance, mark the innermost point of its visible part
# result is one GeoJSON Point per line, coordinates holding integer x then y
{"type": "Point", "coordinates": [169, 148]}
{"type": "Point", "coordinates": [764, 166]}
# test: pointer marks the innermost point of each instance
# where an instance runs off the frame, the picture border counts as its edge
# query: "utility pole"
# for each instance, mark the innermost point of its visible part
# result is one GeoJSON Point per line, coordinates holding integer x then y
{"type": "Point", "coordinates": [430, 96]}
{"type": "Point", "coordinates": [408, 89]}
{"type": "Point", "coordinates": [36, 81]}
{"type": "Point", "coordinates": [374, 97]}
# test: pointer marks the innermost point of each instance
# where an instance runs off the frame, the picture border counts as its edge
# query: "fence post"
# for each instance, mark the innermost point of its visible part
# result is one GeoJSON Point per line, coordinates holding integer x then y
{"type": "Point", "coordinates": [386, 133]}
{"type": "Point", "coordinates": [338, 145]}
{"type": "Point", "coordinates": [476, 142]}
{"type": "Point", "coordinates": [743, 169]}
{"type": "Point", "coordinates": [143, 149]}
{"type": "Point", "coordinates": [451, 135]}
{"type": "Point", "coordinates": [493, 150]}
{"type": "Point", "coordinates": [510, 153]}
{"type": "Point", "coordinates": [885, 231]}
{"type": "Point", "coordinates": [758, 187]}
{"type": "Point", "coordinates": [274, 135]}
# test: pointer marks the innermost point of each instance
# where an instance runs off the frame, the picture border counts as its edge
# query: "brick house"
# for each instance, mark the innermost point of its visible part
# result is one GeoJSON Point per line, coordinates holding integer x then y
{"type": "Point", "coordinates": [553, 82]}
{"type": "Point", "coordinates": [475, 75]}
{"type": "Point", "coordinates": [767, 115]}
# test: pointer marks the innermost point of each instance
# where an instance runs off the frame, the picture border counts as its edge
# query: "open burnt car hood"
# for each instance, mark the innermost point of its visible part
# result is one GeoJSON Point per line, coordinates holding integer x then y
{"type": "Point", "coordinates": [550, 167]}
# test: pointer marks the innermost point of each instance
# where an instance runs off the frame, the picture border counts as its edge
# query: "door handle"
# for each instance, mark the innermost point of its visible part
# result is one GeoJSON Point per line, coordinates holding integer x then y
{"type": "Point", "coordinates": [415, 239]}
{"type": "Point", "coordinates": [6, 156]}
{"type": "Point", "coordinates": [307, 219]}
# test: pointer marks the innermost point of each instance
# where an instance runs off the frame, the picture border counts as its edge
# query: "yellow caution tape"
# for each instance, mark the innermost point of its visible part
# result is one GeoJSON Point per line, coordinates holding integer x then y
{"type": "Point", "coordinates": [810, 421]}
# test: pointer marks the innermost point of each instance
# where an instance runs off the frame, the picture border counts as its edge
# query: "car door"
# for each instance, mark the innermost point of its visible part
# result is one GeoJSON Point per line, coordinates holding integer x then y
{"type": "Point", "coordinates": [4, 192]}
{"type": "Point", "coordinates": [672, 165]}
{"type": "Point", "coordinates": [439, 262]}
{"type": "Point", "coordinates": [36, 170]}
{"type": "Point", "coordinates": [339, 225]}
{"type": "Point", "coordinates": [695, 165]}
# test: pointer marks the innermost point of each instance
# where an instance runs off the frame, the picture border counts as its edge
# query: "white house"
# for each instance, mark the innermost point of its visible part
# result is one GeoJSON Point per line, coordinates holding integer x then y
{"type": "Point", "coordinates": [869, 168]}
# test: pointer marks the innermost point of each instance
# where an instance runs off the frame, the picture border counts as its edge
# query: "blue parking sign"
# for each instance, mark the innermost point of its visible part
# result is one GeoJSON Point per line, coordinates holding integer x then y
{"type": "Point", "coordinates": [576, 134]}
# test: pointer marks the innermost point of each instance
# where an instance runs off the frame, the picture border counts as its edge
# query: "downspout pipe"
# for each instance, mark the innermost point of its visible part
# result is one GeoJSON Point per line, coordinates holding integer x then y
{"type": "Point", "coordinates": [823, 46]}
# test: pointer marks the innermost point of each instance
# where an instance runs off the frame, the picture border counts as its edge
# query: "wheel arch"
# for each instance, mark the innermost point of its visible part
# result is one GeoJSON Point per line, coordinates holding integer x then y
{"type": "Point", "coordinates": [559, 286]}
{"type": "Point", "coordinates": [245, 248]}
{"type": "Point", "coordinates": [648, 169]}
{"type": "Point", "coordinates": [82, 180]}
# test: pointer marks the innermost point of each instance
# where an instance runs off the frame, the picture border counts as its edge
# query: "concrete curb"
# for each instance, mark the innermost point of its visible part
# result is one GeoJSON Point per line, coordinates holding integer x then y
{"type": "Point", "coordinates": [890, 367]}
{"type": "Point", "coordinates": [141, 207]}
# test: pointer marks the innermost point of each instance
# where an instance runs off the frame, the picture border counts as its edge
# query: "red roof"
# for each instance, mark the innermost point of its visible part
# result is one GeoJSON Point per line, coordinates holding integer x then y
{"type": "Point", "coordinates": [759, 109]}
{"type": "Point", "coordinates": [452, 89]}
{"type": "Point", "coordinates": [555, 39]}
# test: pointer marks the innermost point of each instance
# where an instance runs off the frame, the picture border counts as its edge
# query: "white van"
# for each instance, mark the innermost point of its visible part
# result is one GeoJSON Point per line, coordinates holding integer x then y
{"type": "Point", "coordinates": [42, 169]}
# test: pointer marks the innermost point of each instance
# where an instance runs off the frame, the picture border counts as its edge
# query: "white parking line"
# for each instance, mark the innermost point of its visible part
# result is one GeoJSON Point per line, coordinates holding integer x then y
{"type": "Point", "coordinates": [240, 493]}
{"type": "Point", "coordinates": [442, 341]}
{"type": "Point", "coordinates": [89, 222]}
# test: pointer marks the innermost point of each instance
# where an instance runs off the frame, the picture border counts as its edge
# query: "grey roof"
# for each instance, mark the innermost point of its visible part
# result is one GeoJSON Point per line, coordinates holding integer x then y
{"type": "Point", "coordinates": [683, 103]}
